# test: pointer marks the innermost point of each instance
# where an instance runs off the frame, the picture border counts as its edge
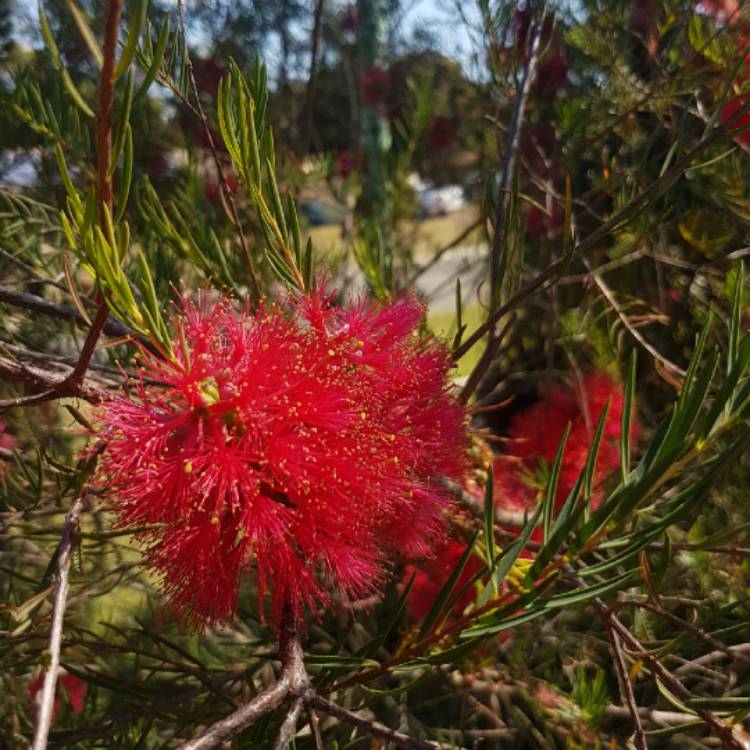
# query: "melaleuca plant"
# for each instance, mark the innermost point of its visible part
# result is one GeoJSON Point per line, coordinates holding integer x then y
{"type": "Point", "coordinates": [242, 506]}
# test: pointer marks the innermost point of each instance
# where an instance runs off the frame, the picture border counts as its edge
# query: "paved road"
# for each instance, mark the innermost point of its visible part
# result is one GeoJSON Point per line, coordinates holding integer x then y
{"type": "Point", "coordinates": [438, 284]}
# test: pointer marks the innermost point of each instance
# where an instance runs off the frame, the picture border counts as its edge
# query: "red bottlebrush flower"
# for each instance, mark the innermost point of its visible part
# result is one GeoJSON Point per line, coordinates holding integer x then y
{"type": "Point", "coordinates": [374, 86]}
{"type": "Point", "coordinates": [535, 435]}
{"type": "Point", "coordinates": [743, 121]}
{"type": "Point", "coordinates": [441, 133]}
{"type": "Point", "coordinates": [307, 444]}
{"type": "Point", "coordinates": [74, 687]}
{"type": "Point", "coordinates": [432, 574]}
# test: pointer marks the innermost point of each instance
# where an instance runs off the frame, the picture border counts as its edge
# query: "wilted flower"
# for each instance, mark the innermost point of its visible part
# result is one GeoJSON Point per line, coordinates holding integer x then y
{"type": "Point", "coordinates": [308, 443]}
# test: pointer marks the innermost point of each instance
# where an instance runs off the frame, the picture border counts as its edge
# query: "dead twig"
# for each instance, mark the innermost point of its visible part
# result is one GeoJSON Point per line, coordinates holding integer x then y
{"type": "Point", "coordinates": [626, 686]}
{"type": "Point", "coordinates": [372, 728]}
{"type": "Point", "coordinates": [61, 588]}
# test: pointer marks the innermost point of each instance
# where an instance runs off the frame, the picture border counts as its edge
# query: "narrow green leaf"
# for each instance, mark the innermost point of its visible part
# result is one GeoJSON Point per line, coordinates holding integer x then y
{"type": "Point", "coordinates": [137, 22]}
{"type": "Point", "coordinates": [506, 561]}
{"type": "Point", "coordinates": [460, 327]}
{"type": "Point", "coordinates": [489, 523]}
{"type": "Point", "coordinates": [75, 94]}
{"type": "Point", "coordinates": [627, 416]}
{"type": "Point", "coordinates": [278, 209]}
{"type": "Point", "coordinates": [390, 692]}
{"type": "Point", "coordinates": [307, 265]}
{"type": "Point", "coordinates": [156, 62]}
{"type": "Point", "coordinates": [123, 121]}
{"type": "Point", "coordinates": [736, 319]}
{"type": "Point", "coordinates": [437, 608]}
{"type": "Point", "coordinates": [594, 454]}
{"type": "Point", "coordinates": [126, 175]}
{"type": "Point", "coordinates": [85, 29]}
{"type": "Point", "coordinates": [294, 222]}
{"type": "Point", "coordinates": [552, 483]}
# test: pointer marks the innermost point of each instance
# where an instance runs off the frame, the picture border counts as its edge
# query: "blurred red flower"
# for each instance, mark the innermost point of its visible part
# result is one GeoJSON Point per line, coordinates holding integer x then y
{"type": "Point", "coordinates": [431, 575]}
{"type": "Point", "coordinates": [344, 163]}
{"type": "Point", "coordinates": [7, 441]}
{"type": "Point", "coordinates": [375, 86]}
{"type": "Point", "coordinates": [212, 189]}
{"type": "Point", "coordinates": [743, 121]}
{"type": "Point", "coordinates": [74, 687]}
{"type": "Point", "coordinates": [441, 132]}
{"type": "Point", "coordinates": [305, 442]}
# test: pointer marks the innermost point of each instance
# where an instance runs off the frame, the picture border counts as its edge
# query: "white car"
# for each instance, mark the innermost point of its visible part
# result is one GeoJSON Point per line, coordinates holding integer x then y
{"type": "Point", "coordinates": [438, 201]}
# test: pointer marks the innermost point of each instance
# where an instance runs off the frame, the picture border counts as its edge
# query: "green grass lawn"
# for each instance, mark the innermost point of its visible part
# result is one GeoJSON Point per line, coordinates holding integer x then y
{"type": "Point", "coordinates": [444, 325]}
{"type": "Point", "coordinates": [426, 236]}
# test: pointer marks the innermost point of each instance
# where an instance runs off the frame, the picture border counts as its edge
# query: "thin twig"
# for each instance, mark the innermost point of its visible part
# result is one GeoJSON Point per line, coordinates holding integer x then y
{"type": "Point", "coordinates": [266, 701]}
{"type": "Point", "coordinates": [32, 302]}
{"type": "Point", "coordinates": [693, 630]}
{"type": "Point", "coordinates": [626, 686]}
{"type": "Point", "coordinates": [51, 384]}
{"type": "Point", "coordinates": [73, 383]}
{"type": "Point", "coordinates": [372, 728]}
{"type": "Point", "coordinates": [293, 680]}
{"type": "Point", "coordinates": [485, 360]}
{"type": "Point", "coordinates": [61, 588]}
{"type": "Point", "coordinates": [512, 144]}
{"type": "Point", "coordinates": [505, 518]}
{"type": "Point", "coordinates": [227, 193]}
{"type": "Point", "coordinates": [722, 730]}
{"type": "Point", "coordinates": [634, 332]}
{"type": "Point", "coordinates": [314, 722]}
{"type": "Point", "coordinates": [653, 190]}
{"type": "Point", "coordinates": [289, 727]}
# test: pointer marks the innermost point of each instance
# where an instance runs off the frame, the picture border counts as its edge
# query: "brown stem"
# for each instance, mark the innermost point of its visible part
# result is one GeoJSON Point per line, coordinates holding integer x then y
{"type": "Point", "coordinates": [38, 304]}
{"type": "Point", "coordinates": [72, 385]}
{"type": "Point", "coordinates": [52, 385]}
{"type": "Point", "coordinates": [314, 722]}
{"type": "Point", "coordinates": [512, 144]}
{"type": "Point", "coordinates": [293, 681]}
{"type": "Point", "coordinates": [307, 108]}
{"type": "Point", "coordinates": [262, 704]}
{"type": "Point", "coordinates": [626, 686]}
{"type": "Point", "coordinates": [289, 727]}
